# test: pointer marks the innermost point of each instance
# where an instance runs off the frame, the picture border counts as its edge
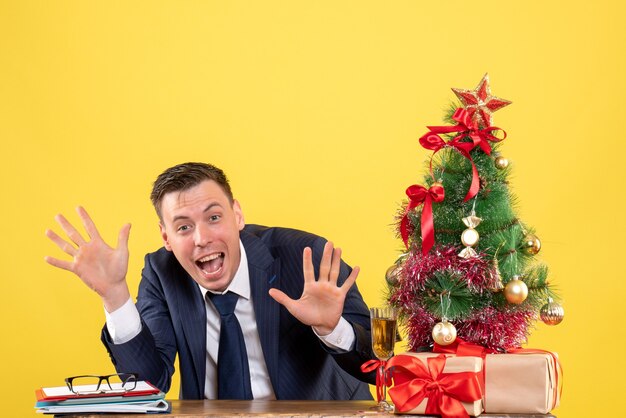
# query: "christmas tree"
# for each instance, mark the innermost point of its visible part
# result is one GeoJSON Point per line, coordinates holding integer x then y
{"type": "Point", "coordinates": [470, 267]}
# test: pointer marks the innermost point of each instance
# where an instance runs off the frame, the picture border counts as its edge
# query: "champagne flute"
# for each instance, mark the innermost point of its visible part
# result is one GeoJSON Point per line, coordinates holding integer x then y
{"type": "Point", "coordinates": [383, 321]}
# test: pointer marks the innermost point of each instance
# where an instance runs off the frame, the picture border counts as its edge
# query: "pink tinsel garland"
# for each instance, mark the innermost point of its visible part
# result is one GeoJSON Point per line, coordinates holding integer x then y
{"type": "Point", "coordinates": [497, 329]}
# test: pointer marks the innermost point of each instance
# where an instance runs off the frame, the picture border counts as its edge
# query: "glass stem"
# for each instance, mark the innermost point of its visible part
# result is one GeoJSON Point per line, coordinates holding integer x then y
{"type": "Point", "coordinates": [382, 392]}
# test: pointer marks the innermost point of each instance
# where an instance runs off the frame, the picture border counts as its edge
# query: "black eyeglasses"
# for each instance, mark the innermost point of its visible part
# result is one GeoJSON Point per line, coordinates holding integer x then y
{"type": "Point", "coordinates": [92, 385]}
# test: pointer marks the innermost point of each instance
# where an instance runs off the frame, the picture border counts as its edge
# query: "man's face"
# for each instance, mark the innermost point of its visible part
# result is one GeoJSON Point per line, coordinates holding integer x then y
{"type": "Point", "coordinates": [201, 228]}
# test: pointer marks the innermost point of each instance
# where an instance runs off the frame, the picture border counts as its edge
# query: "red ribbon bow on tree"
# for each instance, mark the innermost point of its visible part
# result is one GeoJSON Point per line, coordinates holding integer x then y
{"type": "Point", "coordinates": [465, 127]}
{"type": "Point", "coordinates": [382, 377]}
{"type": "Point", "coordinates": [418, 194]}
{"type": "Point", "coordinates": [413, 382]}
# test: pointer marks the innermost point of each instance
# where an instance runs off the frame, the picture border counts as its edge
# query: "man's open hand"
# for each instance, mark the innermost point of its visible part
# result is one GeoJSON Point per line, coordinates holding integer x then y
{"type": "Point", "coordinates": [102, 268]}
{"type": "Point", "coordinates": [321, 302]}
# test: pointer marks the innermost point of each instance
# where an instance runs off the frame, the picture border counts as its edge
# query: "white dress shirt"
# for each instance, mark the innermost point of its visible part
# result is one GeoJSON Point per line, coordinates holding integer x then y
{"type": "Point", "coordinates": [124, 324]}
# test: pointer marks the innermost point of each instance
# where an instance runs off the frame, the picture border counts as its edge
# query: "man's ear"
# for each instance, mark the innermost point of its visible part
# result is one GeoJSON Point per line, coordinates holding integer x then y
{"type": "Point", "coordinates": [238, 215]}
{"type": "Point", "coordinates": [166, 243]}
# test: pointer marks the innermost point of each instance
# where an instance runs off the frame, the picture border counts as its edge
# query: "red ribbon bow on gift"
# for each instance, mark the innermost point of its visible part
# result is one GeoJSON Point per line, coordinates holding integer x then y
{"type": "Point", "coordinates": [413, 382]}
{"type": "Point", "coordinates": [465, 127]}
{"type": "Point", "coordinates": [418, 194]}
{"type": "Point", "coordinates": [382, 377]}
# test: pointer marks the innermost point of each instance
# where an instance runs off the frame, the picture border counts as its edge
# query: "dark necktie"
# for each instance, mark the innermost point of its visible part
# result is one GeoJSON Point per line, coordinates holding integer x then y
{"type": "Point", "coordinates": [233, 372]}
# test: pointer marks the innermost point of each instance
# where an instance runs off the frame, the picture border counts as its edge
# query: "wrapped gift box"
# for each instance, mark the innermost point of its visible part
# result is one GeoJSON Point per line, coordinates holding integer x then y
{"type": "Point", "coordinates": [453, 365]}
{"type": "Point", "coordinates": [522, 383]}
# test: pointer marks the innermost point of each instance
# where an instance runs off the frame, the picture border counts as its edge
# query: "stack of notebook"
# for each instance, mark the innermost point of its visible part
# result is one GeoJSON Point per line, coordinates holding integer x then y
{"type": "Point", "coordinates": [144, 398]}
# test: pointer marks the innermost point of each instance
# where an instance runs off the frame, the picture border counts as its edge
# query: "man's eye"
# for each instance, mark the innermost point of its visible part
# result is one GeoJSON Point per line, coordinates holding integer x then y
{"type": "Point", "coordinates": [214, 218]}
{"type": "Point", "coordinates": [183, 228]}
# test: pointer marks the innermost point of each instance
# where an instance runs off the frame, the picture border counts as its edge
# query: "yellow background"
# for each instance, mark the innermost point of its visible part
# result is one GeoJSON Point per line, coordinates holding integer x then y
{"type": "Point", "coordinates": [314, 109]}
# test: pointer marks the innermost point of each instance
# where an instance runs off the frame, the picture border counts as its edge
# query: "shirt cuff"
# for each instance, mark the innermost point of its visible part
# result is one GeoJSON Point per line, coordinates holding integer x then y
{"type": "Point", "coordinates": [341, 339]}
{"type": "Point", "coordinates": [124, 323]}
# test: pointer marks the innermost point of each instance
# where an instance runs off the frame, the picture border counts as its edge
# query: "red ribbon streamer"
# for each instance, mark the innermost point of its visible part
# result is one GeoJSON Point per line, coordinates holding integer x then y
{"type": "Point", "coordinates": [418, 194]}
{"type": "Point", "coordinates": [414, 381]}
{"type": "Point", "coordinates": [464, 127]}
{"type": "Point", "coordinates": [382, 377]}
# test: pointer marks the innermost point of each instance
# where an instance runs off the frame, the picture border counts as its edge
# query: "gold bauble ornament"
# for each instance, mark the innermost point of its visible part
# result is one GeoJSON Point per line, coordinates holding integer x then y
{"type": "Point", "coordinates": [516, 291]}
{"type": "Point", "coordinates": [393, 274]}
{"type": "Point", "coordinates": [551, 313]}
{"type": "Point", "coordinates": [501, 163]}
{"type": "Point", "coordinates": [531, 244]}
{"type": "Point", "coordinates": [444, 333]}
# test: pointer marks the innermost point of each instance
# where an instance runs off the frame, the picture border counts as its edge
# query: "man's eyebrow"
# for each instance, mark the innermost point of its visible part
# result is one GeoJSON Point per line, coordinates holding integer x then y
{"type": "Point", "coordinates": [179, 217]}
{"type": "Point", "coordinates": [211, 206]}
{"type": "Point", "coordinates": [208, 208]}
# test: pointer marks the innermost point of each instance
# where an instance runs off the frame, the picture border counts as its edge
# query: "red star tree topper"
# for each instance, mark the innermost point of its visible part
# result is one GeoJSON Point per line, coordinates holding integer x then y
{"type": "Point", "coordinates": [480, 103]}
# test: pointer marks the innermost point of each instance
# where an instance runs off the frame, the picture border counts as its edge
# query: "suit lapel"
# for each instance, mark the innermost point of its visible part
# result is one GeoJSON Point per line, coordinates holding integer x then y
{"type": "Point", "coordinates": [264, 274]}
{"type": "Point", "coordinates": [193, 319]}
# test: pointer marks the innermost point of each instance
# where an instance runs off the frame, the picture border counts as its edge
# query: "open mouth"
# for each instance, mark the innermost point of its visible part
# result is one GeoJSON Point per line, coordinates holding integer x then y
{"type": "Point", "coordinates": [211, 264]}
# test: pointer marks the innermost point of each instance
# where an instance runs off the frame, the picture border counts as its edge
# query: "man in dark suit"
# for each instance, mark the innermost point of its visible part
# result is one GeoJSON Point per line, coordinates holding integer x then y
{"type": "Point", "coordinates": [304, 327]}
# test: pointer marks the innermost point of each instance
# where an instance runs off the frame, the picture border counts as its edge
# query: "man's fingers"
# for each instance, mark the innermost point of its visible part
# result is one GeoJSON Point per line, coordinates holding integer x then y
{"type": "Point", "coordinates": [280, 297]}
{"type": "Point", "coordinates": [326, 260]}
{"type": "Point", "coordinates": [65, 246]}
{"type": "Point", "coordinates": [90, 227]}
{"type": "Point", "coordinates": [69, 229]}
{"type": "Point", "coordinates": [62, 264]}
{"type": "Point", "coordinates": [351, 279]}
{"type": "Point", "coordinates": [122, 238]}
{"type": "Point", "coordinates": [335, 266]}
{"type": "Point", "coordinates": [307, 265]}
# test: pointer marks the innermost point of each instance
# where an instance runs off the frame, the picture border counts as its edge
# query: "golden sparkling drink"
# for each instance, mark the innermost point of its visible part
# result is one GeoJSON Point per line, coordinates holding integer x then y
{"type": "Point", "coordinates": [383, 337]}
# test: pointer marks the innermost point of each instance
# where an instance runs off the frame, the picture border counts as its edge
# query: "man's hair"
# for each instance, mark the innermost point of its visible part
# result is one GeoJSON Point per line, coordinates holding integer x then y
{"type": "Point", "coordinates": [184, 176]}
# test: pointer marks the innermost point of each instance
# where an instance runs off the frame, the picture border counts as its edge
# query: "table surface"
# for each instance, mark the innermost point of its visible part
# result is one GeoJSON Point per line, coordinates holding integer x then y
{"type": "Point", "coordinates": [282, 409]}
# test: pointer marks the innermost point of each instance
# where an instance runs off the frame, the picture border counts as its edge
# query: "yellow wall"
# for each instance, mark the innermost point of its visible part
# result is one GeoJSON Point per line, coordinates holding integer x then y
{"type": "Point", "coordinates": [314, 108]}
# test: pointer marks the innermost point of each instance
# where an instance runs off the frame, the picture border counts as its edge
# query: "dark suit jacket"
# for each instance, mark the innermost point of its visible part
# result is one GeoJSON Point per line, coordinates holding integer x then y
{"type": "Point", "coordinates": [173, 315]}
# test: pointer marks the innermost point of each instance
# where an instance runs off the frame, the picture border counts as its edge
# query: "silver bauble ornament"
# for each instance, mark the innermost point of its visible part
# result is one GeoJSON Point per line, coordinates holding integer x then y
{"type": "Point", "coordinates": [551, 313]}
{"type": "Point", "coordinates": [393, 274]}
